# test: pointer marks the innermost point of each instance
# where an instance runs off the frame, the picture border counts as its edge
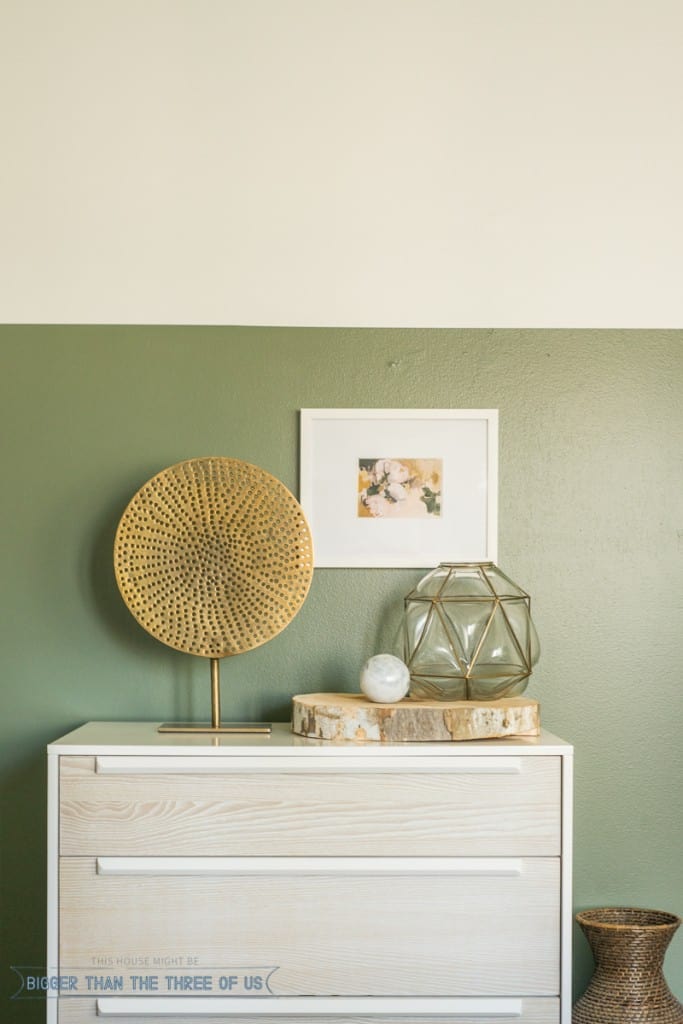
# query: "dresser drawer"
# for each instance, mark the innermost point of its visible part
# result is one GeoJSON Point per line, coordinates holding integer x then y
{"type": "Point", "coordinates": [149, 1010]}
{"type": "Point", "coordinates": [464, 806]}
{"type": "Point", "coordinates": [368, 926]}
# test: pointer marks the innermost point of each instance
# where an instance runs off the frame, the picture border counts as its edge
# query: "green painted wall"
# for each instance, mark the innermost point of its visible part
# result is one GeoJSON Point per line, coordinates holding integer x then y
{"type": "Point", "coordinates": [591, 436]}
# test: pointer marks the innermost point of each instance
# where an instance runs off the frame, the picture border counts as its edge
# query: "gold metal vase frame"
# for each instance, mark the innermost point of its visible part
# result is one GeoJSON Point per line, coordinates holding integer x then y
{"type": "Point", "coordinates": [213, 557]}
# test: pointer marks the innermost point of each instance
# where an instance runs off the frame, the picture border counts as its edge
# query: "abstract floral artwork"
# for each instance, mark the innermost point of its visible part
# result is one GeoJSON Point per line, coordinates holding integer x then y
{"type": "Point", "coordinates": [400, 488]}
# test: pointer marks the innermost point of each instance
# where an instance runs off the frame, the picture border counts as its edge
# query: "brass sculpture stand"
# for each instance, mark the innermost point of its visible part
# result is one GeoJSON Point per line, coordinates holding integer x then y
{"type": "Point", "coordinates": [216, 727]}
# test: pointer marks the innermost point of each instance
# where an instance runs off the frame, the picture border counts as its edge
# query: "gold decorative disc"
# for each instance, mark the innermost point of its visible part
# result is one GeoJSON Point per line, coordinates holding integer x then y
{"type": "Point", "coordinates": [213, 556]}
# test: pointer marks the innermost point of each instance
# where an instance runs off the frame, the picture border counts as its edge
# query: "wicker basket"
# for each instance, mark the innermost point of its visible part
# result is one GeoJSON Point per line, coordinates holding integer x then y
{"type": "Point", "coordinates": [628, 986]}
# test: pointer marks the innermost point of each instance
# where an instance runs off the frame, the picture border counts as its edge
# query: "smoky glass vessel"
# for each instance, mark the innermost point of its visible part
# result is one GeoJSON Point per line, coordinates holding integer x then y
{"type": "Point", "coordinates": [468, 634]}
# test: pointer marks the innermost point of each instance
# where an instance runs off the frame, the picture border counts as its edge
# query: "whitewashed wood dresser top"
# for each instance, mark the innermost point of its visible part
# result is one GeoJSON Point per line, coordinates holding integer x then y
{"type": "Point", "coordinates": [362, 882]}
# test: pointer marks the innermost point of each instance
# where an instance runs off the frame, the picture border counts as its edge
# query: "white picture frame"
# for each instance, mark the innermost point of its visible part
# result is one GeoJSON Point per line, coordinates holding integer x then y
{"type": "Point", "coordinates": [356, 462]}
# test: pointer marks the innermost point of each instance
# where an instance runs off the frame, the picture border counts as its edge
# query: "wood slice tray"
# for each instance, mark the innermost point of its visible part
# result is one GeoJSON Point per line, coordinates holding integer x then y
{"type": "Point", "coordinates": [350, 716]}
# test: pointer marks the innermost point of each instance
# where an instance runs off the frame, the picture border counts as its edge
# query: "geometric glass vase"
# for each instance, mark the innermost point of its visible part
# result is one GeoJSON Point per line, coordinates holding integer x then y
{"type": "Point", "coordinates": [468, 634]}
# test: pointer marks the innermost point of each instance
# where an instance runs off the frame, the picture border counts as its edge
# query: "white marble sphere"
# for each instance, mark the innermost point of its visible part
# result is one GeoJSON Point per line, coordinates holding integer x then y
{"type": "Point", "coordinates": [384, 679]}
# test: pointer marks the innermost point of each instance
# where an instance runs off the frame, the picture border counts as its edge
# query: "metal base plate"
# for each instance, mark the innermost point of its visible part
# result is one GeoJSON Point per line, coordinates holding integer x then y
{"type": "Point", "coordinates": [263, 728]}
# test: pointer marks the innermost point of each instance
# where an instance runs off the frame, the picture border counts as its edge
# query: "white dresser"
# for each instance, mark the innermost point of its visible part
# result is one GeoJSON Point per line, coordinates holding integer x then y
{"type": "Point", "coordinates": [244, 879]}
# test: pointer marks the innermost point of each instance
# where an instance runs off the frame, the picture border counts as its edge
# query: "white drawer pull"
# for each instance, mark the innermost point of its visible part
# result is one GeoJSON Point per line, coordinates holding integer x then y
{"type": "Point", "coordinates": [322, 763]}
{"type": "Point", "coordinates": [292, 866]}
{"type": "Point", "coordinates": [307, 1006]}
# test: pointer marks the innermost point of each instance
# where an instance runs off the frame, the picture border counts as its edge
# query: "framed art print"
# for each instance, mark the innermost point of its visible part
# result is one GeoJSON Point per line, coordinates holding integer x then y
{"type": "Point", "coordinates": [392, 488]}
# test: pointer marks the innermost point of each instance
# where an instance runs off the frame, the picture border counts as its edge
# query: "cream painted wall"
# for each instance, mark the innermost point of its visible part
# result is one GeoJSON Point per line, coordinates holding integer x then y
{"type": "Point", "coordinates": [342, 162]}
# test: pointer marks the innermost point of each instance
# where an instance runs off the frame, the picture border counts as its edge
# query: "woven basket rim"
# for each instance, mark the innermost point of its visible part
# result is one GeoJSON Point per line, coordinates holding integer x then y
{"type": "Point", "coordinates": [591, 918]}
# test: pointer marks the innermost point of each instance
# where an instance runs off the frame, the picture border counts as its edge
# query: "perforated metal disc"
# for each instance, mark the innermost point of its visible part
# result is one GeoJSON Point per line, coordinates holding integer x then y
{"type": "Point", "coordinates": [213, 556]}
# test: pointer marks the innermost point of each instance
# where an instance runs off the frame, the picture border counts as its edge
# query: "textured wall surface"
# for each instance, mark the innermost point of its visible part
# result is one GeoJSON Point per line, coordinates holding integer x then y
{"type": "Point", "coordinates": [591, 522]}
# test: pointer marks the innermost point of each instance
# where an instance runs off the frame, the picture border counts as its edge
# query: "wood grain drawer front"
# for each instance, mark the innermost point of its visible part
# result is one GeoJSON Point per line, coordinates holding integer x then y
{"type": "Point", "coordinates": [463, 1011]}
{"type": "Point", "coordinates": [486, 926]}
{"type": "Point", "coordinates": [471, 806]}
